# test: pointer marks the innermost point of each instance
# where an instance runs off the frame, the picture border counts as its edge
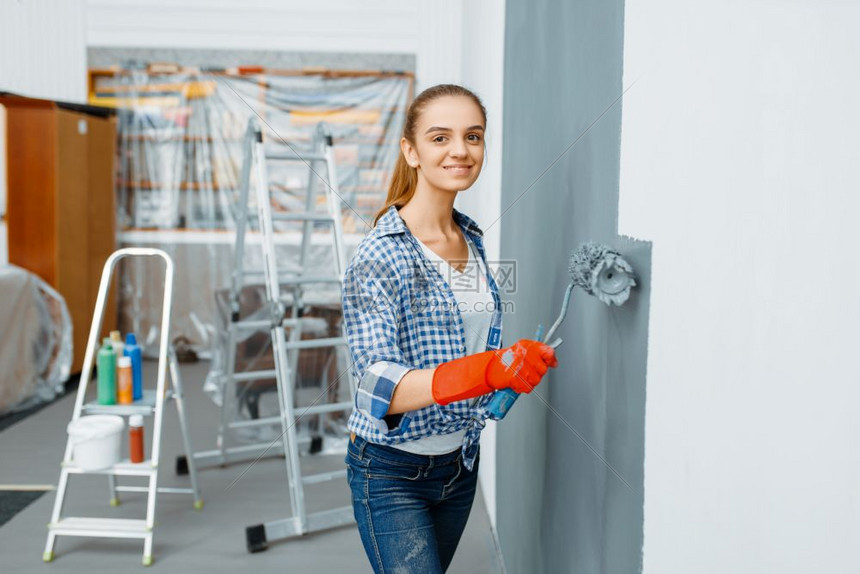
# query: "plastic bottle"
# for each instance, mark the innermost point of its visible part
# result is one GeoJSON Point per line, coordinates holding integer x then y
{"type": "Point", "coordinates": [133, 351]}
{"type": "Point", "coordinates": [107, 374]}
{"type": "Point", "coordinates": [124, 393]}
{"type": "Point", "coordinates": [135, 438]}
{"type": "Point", "coordinates": [116, 341]}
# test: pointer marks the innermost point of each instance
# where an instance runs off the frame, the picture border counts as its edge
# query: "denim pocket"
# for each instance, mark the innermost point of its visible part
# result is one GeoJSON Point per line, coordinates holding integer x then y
{"type": "Point", "coordinates": [352, 456]}
{"type": "Point", "coordinates": [382, 469]}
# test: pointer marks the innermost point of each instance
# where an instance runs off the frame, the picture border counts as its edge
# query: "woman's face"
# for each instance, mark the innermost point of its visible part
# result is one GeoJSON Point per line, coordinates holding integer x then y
{"type": "Point", "coordinates": [449, 144]}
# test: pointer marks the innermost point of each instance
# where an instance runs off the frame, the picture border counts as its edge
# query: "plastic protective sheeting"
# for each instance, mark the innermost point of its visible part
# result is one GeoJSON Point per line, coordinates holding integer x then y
{"type": "Point", "coordinates": [179, 167]}
{"type": "Point", "coordinates": [35, 340]}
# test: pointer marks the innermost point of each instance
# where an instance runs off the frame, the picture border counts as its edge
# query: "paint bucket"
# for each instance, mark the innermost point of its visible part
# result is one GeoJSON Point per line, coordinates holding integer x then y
{"type": "Point", "coordinates": [96, 441]}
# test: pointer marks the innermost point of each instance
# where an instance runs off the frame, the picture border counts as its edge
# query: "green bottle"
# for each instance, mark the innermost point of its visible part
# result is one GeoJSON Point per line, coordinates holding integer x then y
{"type": "Point", "coordinates": [107, 373]}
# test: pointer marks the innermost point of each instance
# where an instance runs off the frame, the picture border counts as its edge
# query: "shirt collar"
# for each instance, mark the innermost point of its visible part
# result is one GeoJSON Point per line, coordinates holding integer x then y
{"type": "Point", "coordinates": [391, 223]}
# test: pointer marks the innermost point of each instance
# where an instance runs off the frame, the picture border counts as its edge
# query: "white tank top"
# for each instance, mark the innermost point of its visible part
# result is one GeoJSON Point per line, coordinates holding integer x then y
{"type": "Point", "coordinates": [476, 306]}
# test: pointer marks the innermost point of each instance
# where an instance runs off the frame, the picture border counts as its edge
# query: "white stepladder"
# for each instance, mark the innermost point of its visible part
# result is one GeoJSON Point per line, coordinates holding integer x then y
{"type": "Point", "coordinates": [295, 280]}
{"type": "Point", "coordinates": [152, 404]}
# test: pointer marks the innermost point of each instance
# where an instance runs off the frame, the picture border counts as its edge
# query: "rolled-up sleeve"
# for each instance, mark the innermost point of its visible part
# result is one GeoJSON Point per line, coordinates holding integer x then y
{"type": "Point", "coordinates": [371, 308]}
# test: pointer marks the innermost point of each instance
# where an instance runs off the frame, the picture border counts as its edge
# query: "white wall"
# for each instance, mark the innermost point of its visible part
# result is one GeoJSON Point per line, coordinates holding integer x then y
{"type": "Point", "coordinates": [43, 49]}
{"type": "Point", "coordinates": [286, 25]}
{"type": "Point", "coordinates": [483, 55]}
{"type": "Point", "coordinates": [739, 161]}
{"type": "Point", "coordinates": [430, 30]}
{"type": "Point", "coordinates": [42, 54]}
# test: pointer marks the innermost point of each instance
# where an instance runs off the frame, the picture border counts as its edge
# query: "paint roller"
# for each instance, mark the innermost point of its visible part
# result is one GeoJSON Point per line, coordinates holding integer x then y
{"type": "Point", "coordinates": [598, 270]}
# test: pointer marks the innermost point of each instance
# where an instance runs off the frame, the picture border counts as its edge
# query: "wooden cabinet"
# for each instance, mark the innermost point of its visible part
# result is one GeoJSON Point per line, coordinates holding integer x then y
{"type": "Point", "coordinates": [60, 201]}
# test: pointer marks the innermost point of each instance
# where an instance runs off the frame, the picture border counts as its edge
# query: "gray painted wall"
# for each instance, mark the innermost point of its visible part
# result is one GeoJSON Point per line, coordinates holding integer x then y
{"type": "Point", "coordinates": [560, 509]}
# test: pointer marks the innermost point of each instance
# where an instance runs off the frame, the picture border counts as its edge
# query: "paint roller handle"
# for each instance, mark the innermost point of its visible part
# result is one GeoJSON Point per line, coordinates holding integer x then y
{"type": "Point", "coordinates": [501, 403]}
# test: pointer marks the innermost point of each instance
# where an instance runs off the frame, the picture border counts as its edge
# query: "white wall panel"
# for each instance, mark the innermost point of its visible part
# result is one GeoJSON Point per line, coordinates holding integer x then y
{"type": "Point", "coordinates": [42, 54]}
{"type": "Point", "coordinates": [482, 53]}
{"type": "Point", "coordinates": [439, 43]}
{"type": "Point", "coordinates": [380, 26]}
{"type": "Point", "coordinates": [43, 48]}
{"type": "Point", "coordinates": [739, 161]}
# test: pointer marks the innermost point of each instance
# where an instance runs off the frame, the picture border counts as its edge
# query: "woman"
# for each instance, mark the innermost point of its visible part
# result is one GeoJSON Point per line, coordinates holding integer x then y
{"type": "Point", "coordinates": [423, 323]}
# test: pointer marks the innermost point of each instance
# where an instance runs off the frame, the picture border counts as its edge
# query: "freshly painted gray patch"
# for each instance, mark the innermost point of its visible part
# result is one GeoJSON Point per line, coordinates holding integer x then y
{"type": "Point", "coordinates": [560, 507]}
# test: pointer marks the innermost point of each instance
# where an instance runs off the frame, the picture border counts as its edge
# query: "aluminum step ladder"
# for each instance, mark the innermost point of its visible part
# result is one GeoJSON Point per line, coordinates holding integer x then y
{"type": "Point", "coordinates": [285, 285]}
{"type": "Point", "coordinates": [151, 404]}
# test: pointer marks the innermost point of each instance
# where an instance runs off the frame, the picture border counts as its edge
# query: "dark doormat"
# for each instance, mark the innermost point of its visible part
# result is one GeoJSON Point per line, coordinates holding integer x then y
{"type": "Point", "coordinates": [14, 501]}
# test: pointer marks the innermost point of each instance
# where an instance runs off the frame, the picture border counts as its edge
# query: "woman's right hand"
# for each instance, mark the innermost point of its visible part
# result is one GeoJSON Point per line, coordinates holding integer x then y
{"type": "Point", "coordinates": [519, 367]}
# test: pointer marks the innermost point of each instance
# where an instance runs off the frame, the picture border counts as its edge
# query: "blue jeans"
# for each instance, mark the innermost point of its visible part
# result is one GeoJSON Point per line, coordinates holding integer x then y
{"type": "Point", "coordinates": [411, 509]}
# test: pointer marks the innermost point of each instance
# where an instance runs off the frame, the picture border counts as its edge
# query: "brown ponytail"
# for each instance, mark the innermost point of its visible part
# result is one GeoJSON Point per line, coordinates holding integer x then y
{"type": "Point", "coordinates": [404, 178]}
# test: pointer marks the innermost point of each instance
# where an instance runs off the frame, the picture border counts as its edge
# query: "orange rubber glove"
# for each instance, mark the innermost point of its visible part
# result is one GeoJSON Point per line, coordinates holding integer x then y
{"type": "Point", "coordinates": [519, 367]}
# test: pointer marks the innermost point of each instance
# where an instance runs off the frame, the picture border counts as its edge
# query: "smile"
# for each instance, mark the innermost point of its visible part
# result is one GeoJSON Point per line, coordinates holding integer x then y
{"type": "Point", "coordinates": [458, 169]}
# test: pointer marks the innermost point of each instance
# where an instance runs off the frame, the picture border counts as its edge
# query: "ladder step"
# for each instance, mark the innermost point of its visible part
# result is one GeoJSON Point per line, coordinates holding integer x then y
{"type": "Point", "coordinates": [254, 422]}
{"type": "Point", "coordinates": [289, 155]}
{"type": "Point", "coordinates": [289, 527]}
{"type": "Point", "coordinates": [317, 343]}
{"type": "Point", "coordinates": [326, 408]}
{"type": "Point", "coordinates": [299, 412]}
{"type": "Point", "coordinates": [122, 468]}
{"type": "Point", "coordinates": [144, 406]}
{"type": "Point", "coordinates": [323, 476]}
{"type": "Point", "coordinates": [290, 278]}
{"type": "Point", "coordinates": [253, 375]}
{"type": "Point", "coordinates": [251, 325]}
{"type": "Point", "coordinates": [303, 344]}
{"type": "Point", "coordinates": [296, 216]}
{"type": "Point", "coordinates": [233, 454]}
{"type": "Point", "coordinates": [160, 489]}
{"type": "Point", "coordinates": [265, 324]}
{"type": "Point", "coordinates": [303, 216]}
{"type": "Point", "coordinates": [282, 273]}
{"type": "Point", "coordinates": [133, 489]}
{"type": "Point", "coordinates": [101, 527]}
{"type": "Point", "coordinates": [303, 279]}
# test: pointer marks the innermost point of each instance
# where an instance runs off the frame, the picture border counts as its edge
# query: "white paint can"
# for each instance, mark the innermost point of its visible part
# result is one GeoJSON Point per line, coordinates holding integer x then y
{"type": "Point", "coordinates": [96, 441]}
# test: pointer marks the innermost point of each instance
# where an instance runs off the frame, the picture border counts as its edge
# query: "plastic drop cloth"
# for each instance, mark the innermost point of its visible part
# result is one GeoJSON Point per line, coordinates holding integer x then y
{"type": "Point", "coordinates": [35, 340]}
{"type": "Point", "coordinates": [180, 154]}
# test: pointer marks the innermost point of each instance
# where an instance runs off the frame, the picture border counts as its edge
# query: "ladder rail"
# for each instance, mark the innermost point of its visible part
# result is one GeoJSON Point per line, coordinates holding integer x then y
{"type": "Point", "coordinates": [333, 201]}
{"type": "Point", "coordinates": [166, 310]}
{"type": "Point", "coordinates": [179, 397]}
{"type": "Point", "coordinates": [241, 218]}
{"type": "Point", "coordinates": [282, 366]}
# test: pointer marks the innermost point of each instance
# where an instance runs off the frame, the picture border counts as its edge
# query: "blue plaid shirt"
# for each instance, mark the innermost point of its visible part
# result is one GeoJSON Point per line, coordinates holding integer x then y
{"type": "Point", "coordinates": [401, 314]}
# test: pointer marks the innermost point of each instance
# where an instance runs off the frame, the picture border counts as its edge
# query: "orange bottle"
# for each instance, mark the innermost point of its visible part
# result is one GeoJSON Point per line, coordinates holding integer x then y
{"type": "Point", "coordinates": [124, 386]}
{"type": "Point", "coordinates": [135, 438]}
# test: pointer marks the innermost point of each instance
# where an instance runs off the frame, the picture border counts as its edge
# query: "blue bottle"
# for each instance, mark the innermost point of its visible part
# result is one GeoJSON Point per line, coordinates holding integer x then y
{"type": "Point", "coordinates": [133, 350]}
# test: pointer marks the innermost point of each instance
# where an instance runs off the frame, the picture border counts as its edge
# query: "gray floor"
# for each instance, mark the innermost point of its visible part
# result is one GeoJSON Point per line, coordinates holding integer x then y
{"type": "Point", "coordinates": [187, 540]}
